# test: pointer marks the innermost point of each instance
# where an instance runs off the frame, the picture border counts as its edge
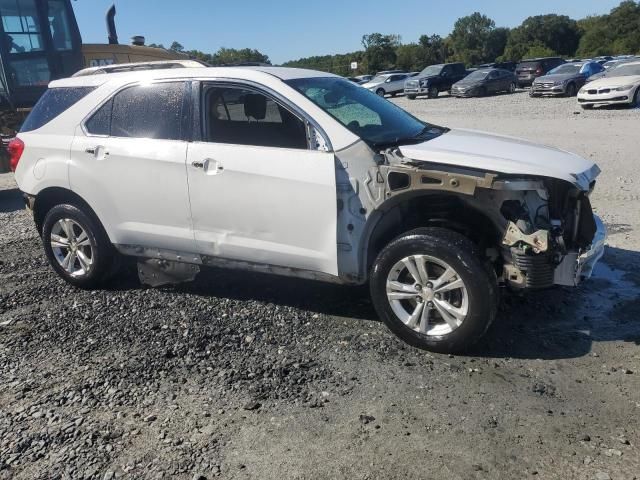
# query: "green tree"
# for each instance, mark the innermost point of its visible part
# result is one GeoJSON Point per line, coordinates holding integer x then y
{"type": "Point", "coordinates": [470, 38]}
{"type": "Point", "coordinates": [434, 50]}
{"type": "Point", "coordinates": [176, 47]}
{"type": "Point", "coordinates": [615, 33]}
{"type": "Point", "coordinates": [556, 33]}
{"type": "Point", "coordinates": [380, 50]}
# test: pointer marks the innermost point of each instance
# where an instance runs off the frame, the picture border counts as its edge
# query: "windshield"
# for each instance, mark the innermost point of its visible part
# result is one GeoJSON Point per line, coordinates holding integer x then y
{"type": "Point", "coordinates": [477, 75]}
{"type": "Point", "coordinates": [372, 118]}
{"type": "Point", "coordinates": [431, 71]}
{"type": "Point", "coordinates": [567, 69]}
{"type": "Point", "coordinates": [625, 70]}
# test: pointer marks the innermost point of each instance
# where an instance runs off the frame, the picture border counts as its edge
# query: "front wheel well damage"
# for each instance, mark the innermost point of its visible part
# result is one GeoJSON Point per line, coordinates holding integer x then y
{"type": "Point", "coordinates": [449, 211]}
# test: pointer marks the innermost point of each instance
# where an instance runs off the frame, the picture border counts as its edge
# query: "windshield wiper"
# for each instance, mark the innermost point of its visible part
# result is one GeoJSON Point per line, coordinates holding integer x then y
{"type": "Point", "coordinates": [418, 138]}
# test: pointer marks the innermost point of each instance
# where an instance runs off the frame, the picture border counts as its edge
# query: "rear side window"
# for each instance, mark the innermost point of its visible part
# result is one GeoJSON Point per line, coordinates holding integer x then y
{"type": "Point", "coordinates": [150, 111]}
{"type": "Point", "coordinates": [53, 103]}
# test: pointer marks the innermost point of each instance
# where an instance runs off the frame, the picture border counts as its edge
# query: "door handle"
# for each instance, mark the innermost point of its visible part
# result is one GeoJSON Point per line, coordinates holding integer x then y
{"type": "Point", "coordinates": [99, 152]}
{"type": "Point", "coordinates": [209, 165]}
{"type": "Point", "coordinates": [197, 165]}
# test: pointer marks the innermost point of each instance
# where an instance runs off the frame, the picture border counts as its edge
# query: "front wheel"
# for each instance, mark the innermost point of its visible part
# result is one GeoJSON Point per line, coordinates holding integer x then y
{"type": "Point", "coordinates": [411, 97]}
{"type": "Point", "coordinates": [636, 98]}
{"type": "Point", "coordinates": [433, 290]}
{"type": "Point", "coordinates": [433, 92]}
{"type": "Point", "coordinates": [380, 92]}
{"type": "Point", "coordinates": [571, 90]}
{"type": "Point", "coordinates": [77, 247]}
{"type": "Point", "coordinates": [512, 88]}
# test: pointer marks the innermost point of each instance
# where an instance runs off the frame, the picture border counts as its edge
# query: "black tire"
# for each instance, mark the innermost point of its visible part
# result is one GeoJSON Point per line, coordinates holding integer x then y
{"type": "Point", "coordinates": [571, 91]}
{"type": "Point", "coordinates": [512, 88]}
{"type": "Point", "coordinates": [104, 259]}
{"type": "Point", "coordinates": [433, 92]}
{"type": "Point", "coordinates": [482, 92]}
{"type": "Point", "coordinates": [464, 258]}
{"type": "Point", "coordinates": [587, 107]}
{"type": "Point", "coordinates": [636, 98]}
{"type": "Point", "coordinates": [411, 97]}
{"type": "Point", "coordinates": [380, 92]}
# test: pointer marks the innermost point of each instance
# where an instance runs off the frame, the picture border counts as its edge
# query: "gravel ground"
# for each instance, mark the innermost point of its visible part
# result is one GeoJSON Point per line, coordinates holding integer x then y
{"type": "Point", "coordinates": [246, 376]}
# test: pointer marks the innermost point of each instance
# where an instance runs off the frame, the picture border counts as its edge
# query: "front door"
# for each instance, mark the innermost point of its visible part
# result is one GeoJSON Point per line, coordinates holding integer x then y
{"type": "Point", "coordinates": [258, 193]}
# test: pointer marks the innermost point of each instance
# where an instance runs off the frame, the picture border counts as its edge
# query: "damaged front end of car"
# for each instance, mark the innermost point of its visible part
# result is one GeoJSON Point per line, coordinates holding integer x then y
{"type": "Point", "coordinates": [536, 231]}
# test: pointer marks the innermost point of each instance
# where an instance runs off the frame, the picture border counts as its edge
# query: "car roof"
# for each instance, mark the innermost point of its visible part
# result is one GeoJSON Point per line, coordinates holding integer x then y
{"type": "Point", "coordinates": [255, 73]}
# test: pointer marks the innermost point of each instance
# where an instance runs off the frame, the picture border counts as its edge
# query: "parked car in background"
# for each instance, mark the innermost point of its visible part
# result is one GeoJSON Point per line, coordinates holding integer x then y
{"type": "Point", "coordinates": [564, 80]}
{"type": "Point", "coordinates": [386, 72]}
{"type": "Point", "coordinates": [435, 79]}
{"type": "Point", "coordinates": [363, 78]}
{"type": "Point", "coordinates": [387, 84]}
{"type": "Point", "coordinates": [210, 155]}
{"type": "Point", "coordinates": [485, 82]}
{"type": "Point", "coordinates": [511, 66]}
{"type": "Point", "coordinates": [528, 70]}
{"type": "Point", "coordinates": [620, 86]}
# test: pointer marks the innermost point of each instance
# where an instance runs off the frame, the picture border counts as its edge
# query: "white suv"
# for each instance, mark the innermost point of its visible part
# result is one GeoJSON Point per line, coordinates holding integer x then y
{"type": "Point", "coordinates": [305, 174]}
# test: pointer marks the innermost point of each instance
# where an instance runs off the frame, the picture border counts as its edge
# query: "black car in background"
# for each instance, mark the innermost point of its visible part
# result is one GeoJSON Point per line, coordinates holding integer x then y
{"type": "Point", "coordinates": [435, 79]}
{"type": "Point", "coordinates": [485, 82]}
{"type": "Point", "coordinates": [528, 70]}
{"type": "Point", "coordinates": [511, 66]}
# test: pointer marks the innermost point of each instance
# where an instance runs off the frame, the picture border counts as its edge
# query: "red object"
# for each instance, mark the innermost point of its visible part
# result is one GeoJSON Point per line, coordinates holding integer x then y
{"type": "Point", "coordinates": [15, 149]}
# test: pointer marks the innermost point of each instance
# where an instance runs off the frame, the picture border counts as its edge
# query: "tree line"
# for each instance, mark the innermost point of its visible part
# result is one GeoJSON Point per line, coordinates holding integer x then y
{"type": "Point", "coordinates": [475, 39]}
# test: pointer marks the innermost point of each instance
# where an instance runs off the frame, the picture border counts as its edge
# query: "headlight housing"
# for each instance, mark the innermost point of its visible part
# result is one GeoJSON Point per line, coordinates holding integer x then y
{"type": "Point", "coordinates": [624, 88]}
{"type": "Point", "coordinates": [424, 83]}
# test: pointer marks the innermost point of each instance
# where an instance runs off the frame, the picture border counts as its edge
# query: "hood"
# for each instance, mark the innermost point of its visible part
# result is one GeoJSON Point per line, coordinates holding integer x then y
{"type": "Point", "coordinates": [468, 83]}
{"type": "Point", "coordinates": [503, 154]}
{"type": "Point", "coordinates": [372, 84]}
{"type": "Point", "coordinates": [558, 77]}
{"type": "Point", "coordinates": [608, 81]}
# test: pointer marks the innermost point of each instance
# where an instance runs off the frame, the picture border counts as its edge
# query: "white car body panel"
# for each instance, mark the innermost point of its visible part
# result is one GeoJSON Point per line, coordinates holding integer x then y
{"type": "Point", "coordinates": [503, 154]}
{"type": "Point", "coordinates": [138, 188]}
{"type": "Point", "coordinates": [45, 163]}
{"type": "Point", "coordinates": [271, 206]}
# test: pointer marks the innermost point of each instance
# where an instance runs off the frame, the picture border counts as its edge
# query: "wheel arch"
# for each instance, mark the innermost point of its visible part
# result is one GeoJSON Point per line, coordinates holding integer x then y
{"type": "Point", "coordinates": [403, 213]}
{"type": "Point", "coordinates": [52, 196]}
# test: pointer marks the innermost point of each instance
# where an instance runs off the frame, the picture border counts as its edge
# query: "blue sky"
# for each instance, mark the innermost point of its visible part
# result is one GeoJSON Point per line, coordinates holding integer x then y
{"type": "Point", "coordinates": [290, 29]}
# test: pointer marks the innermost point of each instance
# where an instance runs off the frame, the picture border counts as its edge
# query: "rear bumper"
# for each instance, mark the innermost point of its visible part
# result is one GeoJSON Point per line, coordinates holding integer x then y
{"type": "Point", "coordinates": [578, 266]}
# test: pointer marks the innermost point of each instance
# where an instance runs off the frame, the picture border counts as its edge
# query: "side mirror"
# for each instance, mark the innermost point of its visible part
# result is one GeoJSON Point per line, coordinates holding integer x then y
{"type": "Point", "coordinates": [444, 74]}
{"type": "Point", "coordinates": [388, 80]}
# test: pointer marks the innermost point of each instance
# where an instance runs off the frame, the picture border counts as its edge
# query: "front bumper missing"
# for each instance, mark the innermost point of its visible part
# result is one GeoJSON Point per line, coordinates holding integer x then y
{"type": "Point", "coordinates": [578, 266]}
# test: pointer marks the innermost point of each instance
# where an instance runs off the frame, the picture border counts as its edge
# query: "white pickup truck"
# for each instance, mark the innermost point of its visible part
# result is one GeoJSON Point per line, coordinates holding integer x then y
{"type": "Point", "coordinates": [301, 173]}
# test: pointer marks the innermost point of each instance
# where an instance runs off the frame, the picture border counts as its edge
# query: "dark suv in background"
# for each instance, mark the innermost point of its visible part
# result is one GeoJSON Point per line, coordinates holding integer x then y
{"type": "Point", "coordinates": [528, 70]}
{"type": "Point", "coordinates": [435, 79]}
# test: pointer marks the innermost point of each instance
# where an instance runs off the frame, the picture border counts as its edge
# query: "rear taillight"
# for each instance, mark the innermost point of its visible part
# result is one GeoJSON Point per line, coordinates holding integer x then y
{"type": "Point", "coordinates": [15, 149]}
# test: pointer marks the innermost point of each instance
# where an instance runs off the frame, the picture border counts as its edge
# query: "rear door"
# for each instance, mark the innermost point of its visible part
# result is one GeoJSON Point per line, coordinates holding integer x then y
{"type": "Point", "coordinates": [258, 193]}
{"type": "Point", "coordinates": [128, 163]}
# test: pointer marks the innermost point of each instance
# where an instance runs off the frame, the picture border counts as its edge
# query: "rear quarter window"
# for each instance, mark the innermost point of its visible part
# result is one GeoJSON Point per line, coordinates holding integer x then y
{"type": "Point", "coordinates": [54, 102]}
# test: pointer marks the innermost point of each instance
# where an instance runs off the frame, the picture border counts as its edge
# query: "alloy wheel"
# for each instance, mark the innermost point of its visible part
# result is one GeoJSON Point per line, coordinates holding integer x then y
{"type": "Point", "coordinates": [427, 295]}
{"type": "Point", "coordinates": [72, 247]}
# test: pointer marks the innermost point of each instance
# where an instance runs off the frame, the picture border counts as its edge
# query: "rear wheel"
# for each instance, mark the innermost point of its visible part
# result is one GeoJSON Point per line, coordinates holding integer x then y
{"type": "Point", "coordinates": [571, 90]}
{"type": "Point", "coordinates": [77, 247]}
{"type": "Point", "coordinates": [380, 92]}
{"type": "Point", "coordinates": [433, 92]}
{"type": "Point", "coordinates": [433, 290]}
